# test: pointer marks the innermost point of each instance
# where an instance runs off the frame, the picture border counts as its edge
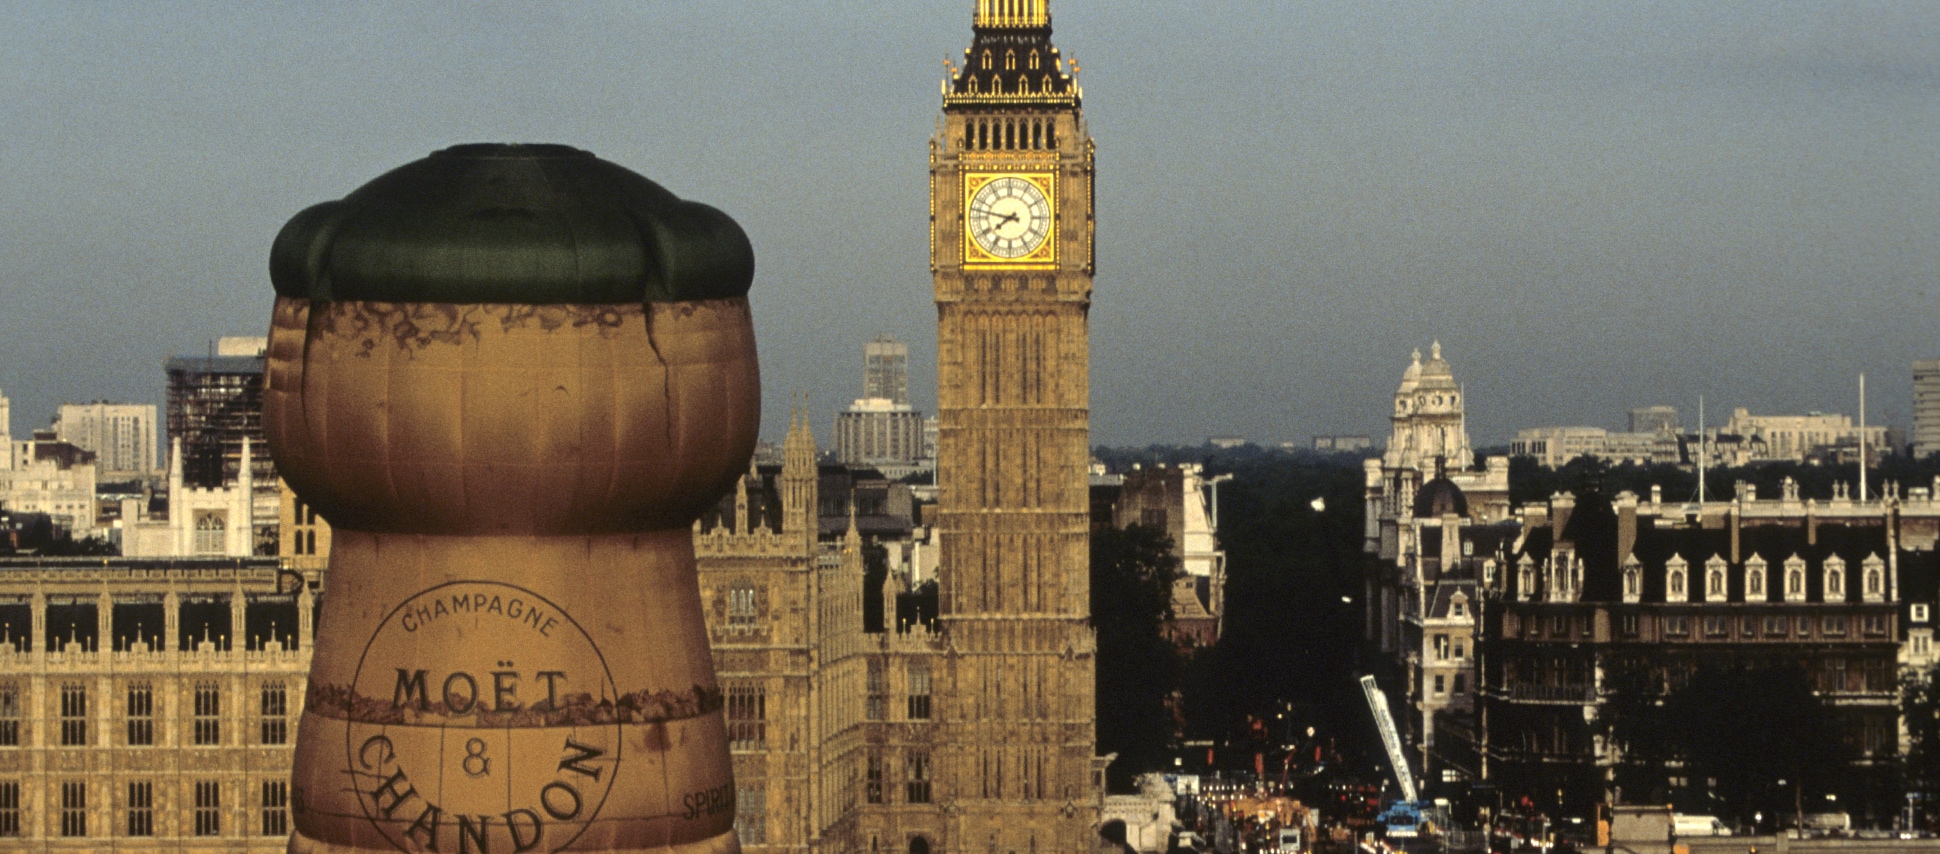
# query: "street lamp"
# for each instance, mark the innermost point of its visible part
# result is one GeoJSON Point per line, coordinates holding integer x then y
{"type": "Point", "coordinates": [1213, 483]}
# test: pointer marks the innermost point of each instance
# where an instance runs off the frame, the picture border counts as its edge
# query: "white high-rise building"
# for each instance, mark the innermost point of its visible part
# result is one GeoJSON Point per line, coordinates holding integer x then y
{"type": "Point", "coordinates": [880, 429]}
{"type": "Point", "coordinates": [885, 371]}
{"type": "Point", "coordinates": [121, 435]}
{"type": "Point", "coordinates": [1926, 407]}
{"type": "Point", "coordinates": [6, 433]}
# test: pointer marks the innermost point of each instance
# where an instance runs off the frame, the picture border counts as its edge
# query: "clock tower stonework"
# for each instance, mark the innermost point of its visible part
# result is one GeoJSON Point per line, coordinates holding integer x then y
{"type": "Point", "coordinates": [1011, 252]}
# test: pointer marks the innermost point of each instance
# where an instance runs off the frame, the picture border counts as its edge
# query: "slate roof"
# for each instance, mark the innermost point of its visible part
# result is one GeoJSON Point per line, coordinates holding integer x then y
{"type": "Point", "coordinates": [1009, 78]}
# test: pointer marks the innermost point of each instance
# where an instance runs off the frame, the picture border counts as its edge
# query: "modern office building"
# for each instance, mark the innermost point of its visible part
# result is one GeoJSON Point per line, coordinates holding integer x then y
{"type": "Point", "coordinates": [1557, 446]}
{"type": "Point", "coordinates": [1655, 419]}
{"type": "Point", "coordinates": [875, 431]}
{"type": "Point", "coordinates": [1798, 437]}
{"type": "Point", "coordinates": [1926, 407]}
{"type": "Point", "coordinates": [880, 430]}
{"type": "Point", "coordinates": [6, 432]}
{"type": "Point", "coordinates": [55, 478]}
{"type": "Point", "coordinates": [121, 435]}
{"type": "Point", "coordinates": [885, 370]}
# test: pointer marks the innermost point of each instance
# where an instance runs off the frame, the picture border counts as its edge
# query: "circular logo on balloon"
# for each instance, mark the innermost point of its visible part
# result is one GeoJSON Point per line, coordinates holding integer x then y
{"type": "Point", "coordinates": [482, 717]}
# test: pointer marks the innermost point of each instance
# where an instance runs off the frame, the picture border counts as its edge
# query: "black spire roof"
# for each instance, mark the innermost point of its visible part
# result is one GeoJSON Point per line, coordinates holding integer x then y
{"type": "Point", "coordinates": [1011, 61]}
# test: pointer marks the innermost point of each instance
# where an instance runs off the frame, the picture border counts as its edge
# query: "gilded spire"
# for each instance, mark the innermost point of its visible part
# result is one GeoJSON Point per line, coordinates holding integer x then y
{"type": "Point", "coordinates": [1013, 14]}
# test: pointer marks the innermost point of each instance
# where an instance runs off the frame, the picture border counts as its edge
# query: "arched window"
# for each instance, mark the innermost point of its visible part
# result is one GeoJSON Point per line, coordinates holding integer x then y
{"type": "Point", "coordinates": [1034, 59]}
{"type": "Point", "coordinates": [1677, 583]}
{"type": "Point", "coordinates": [986, 58]}
{"type": "Point", "coordinates": [211, 533]}
{"type": "Point", "coordinates": [1010, 60]}
{"type": "Point", "coordinates": [1633, 582]}
{"type": "Point", "coordinates": [1755, 584]}
{"type": "Point", "coordinates": [919, 845]}
{"type": "Point", "coordinates": [1875, 574]}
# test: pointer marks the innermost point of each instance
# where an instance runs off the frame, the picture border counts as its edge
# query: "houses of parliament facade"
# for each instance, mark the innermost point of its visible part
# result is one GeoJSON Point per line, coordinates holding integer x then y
{"type": "Point", "coordinates": [124, 726]}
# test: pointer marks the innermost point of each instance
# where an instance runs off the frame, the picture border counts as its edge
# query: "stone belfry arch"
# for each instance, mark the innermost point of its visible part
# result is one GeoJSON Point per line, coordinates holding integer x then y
{"type": "Point", "coordinates": [1011, 252]}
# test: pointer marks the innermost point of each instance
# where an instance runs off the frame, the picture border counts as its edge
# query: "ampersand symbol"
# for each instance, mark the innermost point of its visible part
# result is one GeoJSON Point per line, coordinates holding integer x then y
{"type": "Point", "coordinates": [475, 764]}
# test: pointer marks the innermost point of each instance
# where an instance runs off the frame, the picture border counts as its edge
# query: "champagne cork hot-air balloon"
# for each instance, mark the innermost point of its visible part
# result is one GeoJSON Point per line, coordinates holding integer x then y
{"type": "Point", "coordinates": [511, 376]}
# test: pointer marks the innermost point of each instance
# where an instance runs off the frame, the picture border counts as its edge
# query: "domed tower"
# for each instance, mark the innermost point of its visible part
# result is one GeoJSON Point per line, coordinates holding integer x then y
{"type": "Point", "coordinates": [1428, 419]}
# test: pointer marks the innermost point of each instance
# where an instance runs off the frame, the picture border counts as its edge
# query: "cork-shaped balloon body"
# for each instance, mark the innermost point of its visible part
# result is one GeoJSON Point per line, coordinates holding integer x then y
{"type": "Point", "coordinates": [511, 655]}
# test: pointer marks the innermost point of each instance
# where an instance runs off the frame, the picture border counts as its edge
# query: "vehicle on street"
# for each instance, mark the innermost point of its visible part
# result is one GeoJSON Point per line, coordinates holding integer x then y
{"type": "Point", "coordinates": [1698, 825]}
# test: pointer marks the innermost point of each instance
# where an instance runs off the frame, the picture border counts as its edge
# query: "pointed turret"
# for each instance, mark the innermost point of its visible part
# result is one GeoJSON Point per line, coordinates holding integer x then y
{"type": "Point", "coordinates": [852, 539]}
{"type": "Point", "coordinates": [798, 476]}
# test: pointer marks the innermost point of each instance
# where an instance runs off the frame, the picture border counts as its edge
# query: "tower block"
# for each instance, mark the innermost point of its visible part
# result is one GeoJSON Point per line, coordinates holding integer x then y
{"type": "Point", "coordinates": [511, 377]}
{"type": "Point", "coordinates": [1011, 252]}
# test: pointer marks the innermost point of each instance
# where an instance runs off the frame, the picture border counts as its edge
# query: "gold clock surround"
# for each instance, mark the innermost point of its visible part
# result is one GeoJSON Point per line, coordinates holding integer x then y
{"type": "Point", "coordinates": [1044, 256]}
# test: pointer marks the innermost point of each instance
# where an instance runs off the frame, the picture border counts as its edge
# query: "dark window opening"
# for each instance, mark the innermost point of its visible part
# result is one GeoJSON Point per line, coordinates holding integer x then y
{"type": "Point", "coordinates": [267, 618]}
{"type": "Point", "coordinates": [17, 626]}
{"type": "Point", "coordinates": [204, 618]}
{"type": "Point", "coordinates": [138, 622]}
{"type": "Point", "coordinates": [72, 623]}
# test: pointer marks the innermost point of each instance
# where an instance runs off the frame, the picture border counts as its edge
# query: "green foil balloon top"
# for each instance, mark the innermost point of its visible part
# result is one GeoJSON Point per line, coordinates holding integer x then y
{"type": "Point", "coordinates": [529, 224]}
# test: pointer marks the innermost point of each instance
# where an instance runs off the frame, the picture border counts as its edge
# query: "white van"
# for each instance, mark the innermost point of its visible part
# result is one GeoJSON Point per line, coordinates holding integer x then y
{"type": "Point", "coordinates": [1289, 840]}
{"type": "Point", "coordinates": [1698, 825]}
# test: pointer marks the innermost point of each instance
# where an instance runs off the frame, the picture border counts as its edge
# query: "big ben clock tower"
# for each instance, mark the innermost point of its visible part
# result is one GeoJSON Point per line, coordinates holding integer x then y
{"type": "Point", "coordinates": [1011, 252]}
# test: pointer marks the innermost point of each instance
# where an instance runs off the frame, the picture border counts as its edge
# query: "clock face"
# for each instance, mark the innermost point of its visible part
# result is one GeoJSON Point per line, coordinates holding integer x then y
{"type": "Point", "coordinates": [1009, 217]}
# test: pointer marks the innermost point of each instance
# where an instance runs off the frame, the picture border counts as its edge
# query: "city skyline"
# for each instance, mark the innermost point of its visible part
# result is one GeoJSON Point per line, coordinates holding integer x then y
{"type": "Point", "coordinates": [1592, 207]}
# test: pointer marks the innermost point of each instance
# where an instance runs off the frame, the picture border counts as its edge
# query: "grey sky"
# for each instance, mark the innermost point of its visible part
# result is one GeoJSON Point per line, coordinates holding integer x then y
{"type": "Point", "coordinates": [1594, 205]}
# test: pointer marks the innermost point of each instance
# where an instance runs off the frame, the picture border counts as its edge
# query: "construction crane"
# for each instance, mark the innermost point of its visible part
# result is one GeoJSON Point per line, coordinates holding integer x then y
{"type": "Point", "coordinates": [1402, 819]}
